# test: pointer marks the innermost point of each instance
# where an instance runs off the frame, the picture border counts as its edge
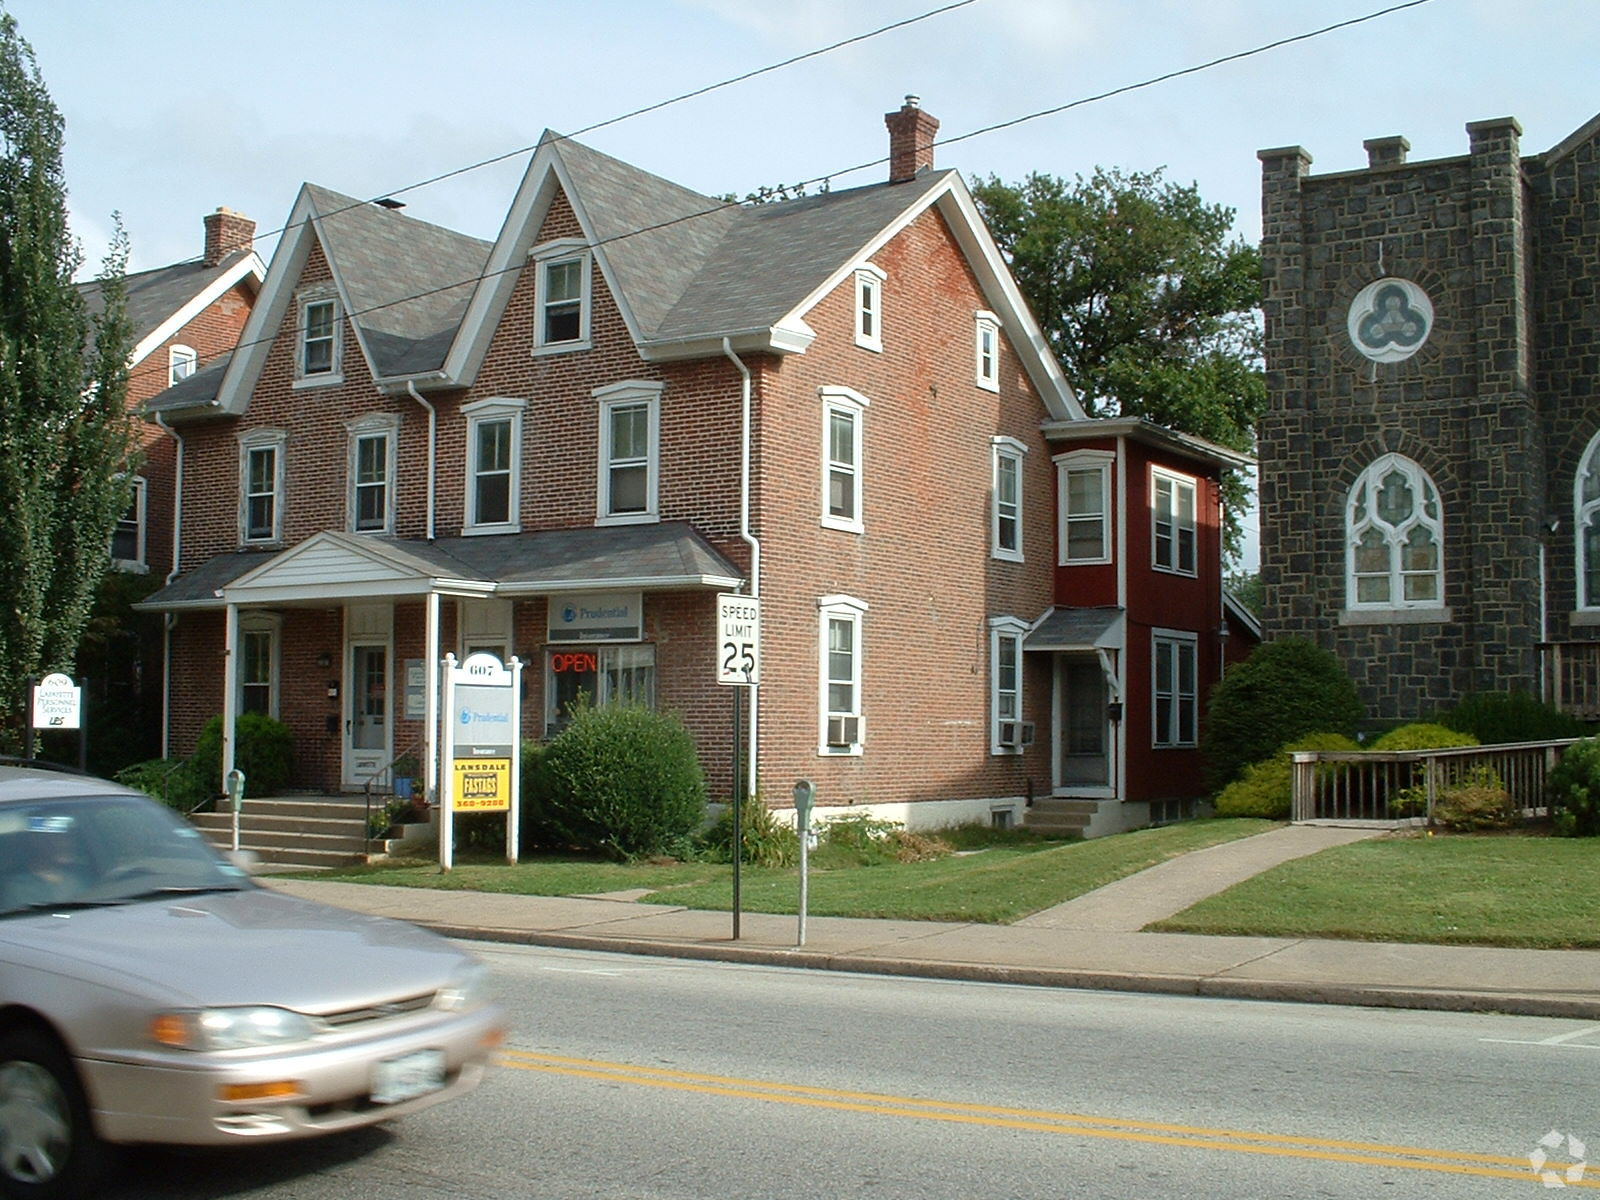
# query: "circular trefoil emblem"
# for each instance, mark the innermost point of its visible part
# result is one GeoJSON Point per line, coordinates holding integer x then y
{"type": "Point", "coordinates": [1390, 319]}
{"type": "Point", "coordinates": [1576, 1151]}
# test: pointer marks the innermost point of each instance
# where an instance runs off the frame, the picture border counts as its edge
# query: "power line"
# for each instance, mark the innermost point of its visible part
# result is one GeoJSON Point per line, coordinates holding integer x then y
{"type": "Point", "coordinates": [1033, 116]}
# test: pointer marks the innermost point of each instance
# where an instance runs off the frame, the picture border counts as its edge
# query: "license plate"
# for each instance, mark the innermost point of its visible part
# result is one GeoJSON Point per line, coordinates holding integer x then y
{"type": "Point", "coordinates": [409, 1075]}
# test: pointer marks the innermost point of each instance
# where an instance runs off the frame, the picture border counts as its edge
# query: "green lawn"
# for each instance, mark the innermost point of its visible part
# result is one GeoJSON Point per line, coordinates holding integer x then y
{"type": "Point", "coordinates": [1483, 890]}
{"type": "Point", "coordinates": [994, 885]}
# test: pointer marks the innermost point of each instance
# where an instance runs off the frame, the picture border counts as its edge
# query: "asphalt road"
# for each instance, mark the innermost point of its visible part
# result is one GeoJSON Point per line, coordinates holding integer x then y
{"type": "Point", "coordinates": [663, 1078]}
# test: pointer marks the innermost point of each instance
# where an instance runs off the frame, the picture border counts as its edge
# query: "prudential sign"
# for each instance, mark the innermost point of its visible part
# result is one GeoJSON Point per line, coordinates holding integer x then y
{"type": "Point", "coordinates": [482, 724]}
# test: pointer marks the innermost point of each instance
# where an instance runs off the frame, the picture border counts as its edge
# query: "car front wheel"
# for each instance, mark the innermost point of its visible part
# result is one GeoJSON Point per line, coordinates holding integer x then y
{"type": "Point", "coordinates": [48, 1147]}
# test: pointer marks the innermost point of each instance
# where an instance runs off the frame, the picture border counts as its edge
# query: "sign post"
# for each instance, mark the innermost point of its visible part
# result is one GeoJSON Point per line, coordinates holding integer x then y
{"type": "Point", "coordinates": [805, 795]}
{"type": "Point", "coordinates": [482, 728]}
{"type": "Point", "coordinates": [57, 703]}
{"type": "Point", "coordinates": [738, 665]}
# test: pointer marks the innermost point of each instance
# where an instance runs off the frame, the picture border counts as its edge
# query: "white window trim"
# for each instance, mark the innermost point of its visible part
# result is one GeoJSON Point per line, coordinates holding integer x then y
{"type": "Point", "coordinates": [840, 608]}
{"type": "Point", "coordinates": [629, 392]}
{"type": "Point", "coordinates": [176, 354]}
{"type": "Point", "coordinates": [271, 624]}
{"type": "Point", "coordinates": [1099, 461]}
{"type": "Point", "coordinates": [1396, 609]}
{"type": "Point", "coordinates": [1177, 638]}
{"type": "Point", "coordinates": [1012, 629]}
{"type": "Point", "coordinates": [854, 405]}
{"type": "Point", "coordinates": [984, 321]}
{"type": "Point", "coordinates": [276, 440]}
{"type": "Point", "coordinates": [1008, 449]}
{"type": "Point", "coordinates": [869, 281]}
{"type": "Point", "coordinates": [139, 502]}
{"type": "Point", "coordinates": [543, 256]}
{"type": "Point", "coordinates": [1178, 481]}
{"type": "Point", "coordinates": [321, 294]}
{"type": "Point", "coordinates": [1581, 514]}
{"type": "Point", "coordinates": [494, 408]}
{"type": "Point", "coordinates": [386, 425]}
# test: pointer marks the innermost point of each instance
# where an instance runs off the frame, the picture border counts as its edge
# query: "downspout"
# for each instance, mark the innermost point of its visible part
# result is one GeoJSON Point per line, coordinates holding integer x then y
{"type": "Point", "coordinates": [168, 619]}
{"type": "Point", "coordinates": [433, 441]}
{"type": "Point", "coordinates": [748, 538]}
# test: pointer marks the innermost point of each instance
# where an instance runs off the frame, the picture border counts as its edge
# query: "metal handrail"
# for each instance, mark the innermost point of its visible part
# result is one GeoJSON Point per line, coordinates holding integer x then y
{"type": "Point", "coordinates": [414, 750]}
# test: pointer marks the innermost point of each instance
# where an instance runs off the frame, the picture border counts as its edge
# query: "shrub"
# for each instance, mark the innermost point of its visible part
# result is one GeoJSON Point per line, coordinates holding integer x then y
{"type": "Point", "coordinates": [767, 841]}
{"type": "Point", "coordinates": [1478, 800]}
{"type": "Point", "coordinates": [1284, 690]}
{"type": "Point", "coordinates": [622, 780]}
{"type": "Point", "coordinates": [1572, 790]}
{"type": "Point", "coordinates": [263, 749]}
{"type": "Point", "coordinates": [173, 781]}
{"type": "Point", "coordinates": [862, 841]}
{"type": "Point", "coordinates": [1266, 788]}
{"type": "Point", "coordinates": [1422, 736]}
{"type": "Point", "coordinates": [1498, 717]}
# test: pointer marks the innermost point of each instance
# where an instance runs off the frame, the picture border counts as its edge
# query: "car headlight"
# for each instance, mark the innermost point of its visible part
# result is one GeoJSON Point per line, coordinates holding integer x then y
{"type": "Point", "coordinates": [230, 1028]}
{"type": "Point", "coordinates": [467, 989]}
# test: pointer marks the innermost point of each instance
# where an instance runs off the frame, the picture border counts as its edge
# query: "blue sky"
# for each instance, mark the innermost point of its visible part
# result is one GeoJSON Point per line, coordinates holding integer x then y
{"type": "Point", "coordinates": [174, 107]}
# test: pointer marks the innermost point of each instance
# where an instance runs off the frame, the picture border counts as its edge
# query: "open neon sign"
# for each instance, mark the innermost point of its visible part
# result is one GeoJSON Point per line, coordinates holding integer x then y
{"type": "Point", "coordinates": [574, 663]}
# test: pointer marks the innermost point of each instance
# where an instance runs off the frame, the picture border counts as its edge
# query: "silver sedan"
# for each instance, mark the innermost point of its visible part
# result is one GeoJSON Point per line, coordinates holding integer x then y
{"type": "Point", "coordinates": [150, 992]}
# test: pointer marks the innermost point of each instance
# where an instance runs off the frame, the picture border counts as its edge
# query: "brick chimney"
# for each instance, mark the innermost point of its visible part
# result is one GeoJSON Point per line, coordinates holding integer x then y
{"type": "Point", "coordinates": [910, 141]}
{"type": "Point", "coordinates": [226, 232]}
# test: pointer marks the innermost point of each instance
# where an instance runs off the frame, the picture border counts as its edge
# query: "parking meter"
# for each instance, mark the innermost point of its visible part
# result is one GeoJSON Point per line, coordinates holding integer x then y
{"type": "Point", "coordinates": [235, 785]}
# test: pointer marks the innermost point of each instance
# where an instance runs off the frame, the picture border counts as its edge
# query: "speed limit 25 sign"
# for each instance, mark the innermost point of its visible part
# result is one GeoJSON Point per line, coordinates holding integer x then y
{"type": "Point", "coordinates": [738, 639]}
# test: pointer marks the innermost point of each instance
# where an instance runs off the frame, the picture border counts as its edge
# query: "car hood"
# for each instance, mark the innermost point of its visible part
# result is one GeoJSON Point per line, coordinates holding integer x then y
{"type": "Point", "coordinates": [253, 946]}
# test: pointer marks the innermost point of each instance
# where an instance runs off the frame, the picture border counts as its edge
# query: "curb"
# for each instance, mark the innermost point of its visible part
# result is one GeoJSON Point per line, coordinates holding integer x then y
{"type": "Point", "coordinates": [1586, 1007]}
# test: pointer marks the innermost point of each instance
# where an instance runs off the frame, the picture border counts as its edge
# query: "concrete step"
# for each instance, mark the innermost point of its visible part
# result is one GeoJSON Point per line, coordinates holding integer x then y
{"type": "Point", "coordinates": [1060, 814]}
{"type": "Point", "coordinates": [301, 831]}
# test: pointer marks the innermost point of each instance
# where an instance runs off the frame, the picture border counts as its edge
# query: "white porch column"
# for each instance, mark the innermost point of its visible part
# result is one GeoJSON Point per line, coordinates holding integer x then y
{"type": "Point", "coordinates": [230, 686]}
{"type": "Point", "coordinates": [431, 729]}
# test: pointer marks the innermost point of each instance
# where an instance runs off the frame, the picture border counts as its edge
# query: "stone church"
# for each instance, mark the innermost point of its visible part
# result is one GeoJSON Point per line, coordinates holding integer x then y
{"type": "Point", "coordinates": [1430, 458]}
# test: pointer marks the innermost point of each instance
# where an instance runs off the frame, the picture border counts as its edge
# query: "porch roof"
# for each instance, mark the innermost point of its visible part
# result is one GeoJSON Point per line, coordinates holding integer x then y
{"type": "Point", "coordinates": [333, 565]}
{"type": "Point", "coordinates": [1085, 629]}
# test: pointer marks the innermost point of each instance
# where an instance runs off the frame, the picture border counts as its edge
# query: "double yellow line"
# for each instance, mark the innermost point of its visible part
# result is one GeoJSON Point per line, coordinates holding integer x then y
{"type": "Point", "coordinates": [1410, 1158]}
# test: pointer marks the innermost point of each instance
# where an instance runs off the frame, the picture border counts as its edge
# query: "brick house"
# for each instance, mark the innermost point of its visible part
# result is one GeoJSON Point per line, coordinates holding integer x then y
{"type": "Point", "coordinates": [1430, 460]}
{"type": "Point", "coordinates": [562, 445]}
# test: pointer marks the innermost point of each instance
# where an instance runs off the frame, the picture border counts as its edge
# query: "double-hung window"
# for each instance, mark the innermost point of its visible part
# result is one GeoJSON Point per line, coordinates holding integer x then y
{"type": "Point", "coordinates": [1175, 698]}
{"type": "Point", "coordinates": [1006, 523]}
{"type": "Point", "coordinates": [561, 296]}
{"type": "Point", "coordinates": [372, 455]}
{"type": "Point", "coordinates": [494, 465]}
{"type": "Point", "coordinates": [1172, 521]}
{"type": "Point", "coordinates": [629, 457]}
{"type": "Point", "coordinates": [181, 362]}
{"type": "Point", "coordinates": [869, 307]}
{"type": "Point", "coordinates": [261, 453]}
{"type": "Point", "coordinates": [842, 728]}
{"type": "Point", "coordinates": [258, 663]}
{"type": "Point", "coordinates": [127, 538]}
{"type": "Point", "coordinates": [1006, 730]}
{"type": "Point", "coordinates": [1083, 489]}
{"type": "Point", "coordinates": [842, 458]}
{"type": "Point", "coordinates": [318, 352]}
{"type": "Point", "coordinates": [986, 348]}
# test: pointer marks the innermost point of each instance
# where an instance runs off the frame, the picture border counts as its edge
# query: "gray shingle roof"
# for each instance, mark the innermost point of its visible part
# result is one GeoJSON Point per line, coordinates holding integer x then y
{"type": "Point", "coordinates": [195, 391]}
{"type": "Point", "coordinates": [408, 282]}
{"type": "Point", "coordinates": [200, 587]}
{"type": "Point", "coordinates": [1073, 629]}
{"type": "Point", "coordinates": [155, 295]}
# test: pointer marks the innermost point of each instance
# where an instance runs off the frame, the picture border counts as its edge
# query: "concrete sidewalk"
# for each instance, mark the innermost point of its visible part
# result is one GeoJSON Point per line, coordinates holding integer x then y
{"type": "Point", "coordinates": [1087, 943]}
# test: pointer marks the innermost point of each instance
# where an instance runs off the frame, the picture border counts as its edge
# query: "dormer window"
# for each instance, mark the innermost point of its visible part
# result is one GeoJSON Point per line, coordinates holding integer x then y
{"type": "Point", "coordinates": [561, 297]}
{"type": "Point", "coordinates": [869, 307]}
{"type": "Point", "coordinates": [181, 362]}
{"type": "Point", "coordinates": [318, 350]}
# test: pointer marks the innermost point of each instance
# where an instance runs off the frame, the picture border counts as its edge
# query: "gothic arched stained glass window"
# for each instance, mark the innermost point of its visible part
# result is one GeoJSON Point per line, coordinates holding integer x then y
{"type": "Point", "coordinates": [1586, 519]}
{"type": "Point", "coordinates": [1394, 538]}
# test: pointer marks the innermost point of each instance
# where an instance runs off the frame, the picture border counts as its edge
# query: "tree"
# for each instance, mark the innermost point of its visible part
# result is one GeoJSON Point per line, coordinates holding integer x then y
{"type": "Point", "coordinates": [65, 435]}
{"type": "Point", "coordinates": [1149, 306]}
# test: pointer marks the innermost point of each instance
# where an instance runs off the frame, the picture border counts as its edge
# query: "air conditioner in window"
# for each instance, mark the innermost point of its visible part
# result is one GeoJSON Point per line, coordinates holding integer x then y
{"type": "Point", "coordinates": [1016, 733]}
{"type": "Point", "coordinates": [844, 731]}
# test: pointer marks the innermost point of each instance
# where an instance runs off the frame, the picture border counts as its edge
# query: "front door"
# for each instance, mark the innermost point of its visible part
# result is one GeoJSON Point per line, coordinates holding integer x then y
{"type": "Point", "coordinates": [1083, 736]}
{"type": "Point", "coordinates": [368, 710]}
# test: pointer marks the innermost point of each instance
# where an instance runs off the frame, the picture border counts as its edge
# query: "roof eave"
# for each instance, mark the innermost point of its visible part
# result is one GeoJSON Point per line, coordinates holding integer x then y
{"type": "Point", "coordinates": [1151, 434]}
{"type": "Point", "coordinates": [771, 339]}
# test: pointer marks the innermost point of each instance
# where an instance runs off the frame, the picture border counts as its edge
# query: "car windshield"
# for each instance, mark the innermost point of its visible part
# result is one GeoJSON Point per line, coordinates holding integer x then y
{"type": "Point", "coordinates": [90, 851]}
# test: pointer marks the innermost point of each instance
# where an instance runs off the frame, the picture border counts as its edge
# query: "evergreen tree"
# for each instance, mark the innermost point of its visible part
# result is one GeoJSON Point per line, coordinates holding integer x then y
{"type": "Point", "coordinates": [65, 435]}
{"type": "Point", "coordinates": [1150, 307]}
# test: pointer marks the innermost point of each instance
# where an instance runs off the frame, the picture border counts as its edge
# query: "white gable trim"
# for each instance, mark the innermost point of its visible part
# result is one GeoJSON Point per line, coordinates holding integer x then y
{"type": "Point", "coordinates": [994, 278]}
{"type": "Point", "coordinates": [546, 175]}
{"type": "Point", "coordinates": [250, 265]}
{"type": "Point", "coordinates": [337, 565]}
